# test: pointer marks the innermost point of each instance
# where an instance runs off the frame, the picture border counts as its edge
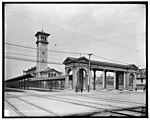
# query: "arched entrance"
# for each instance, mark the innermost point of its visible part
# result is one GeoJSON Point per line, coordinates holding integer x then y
{"type": "Point", "coordinates": [70, 84]}
{"type": "Point", "coordinates": [119, 80]}
{"type": "Point", "coordinates": [109, 80]}
{"type": "Point", "coordinates": [131, 79]}
{"type": "Point", "coordinates": [82, 79]}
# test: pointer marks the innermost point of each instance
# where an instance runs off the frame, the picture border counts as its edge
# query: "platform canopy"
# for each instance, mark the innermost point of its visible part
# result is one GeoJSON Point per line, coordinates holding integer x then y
{"type": "Point", "coordinates": [20, 77]}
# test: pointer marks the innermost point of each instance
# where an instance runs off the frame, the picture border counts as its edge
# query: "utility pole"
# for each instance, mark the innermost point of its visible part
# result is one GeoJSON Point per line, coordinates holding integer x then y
{"type": "Point", "coordinates": [89, 72]}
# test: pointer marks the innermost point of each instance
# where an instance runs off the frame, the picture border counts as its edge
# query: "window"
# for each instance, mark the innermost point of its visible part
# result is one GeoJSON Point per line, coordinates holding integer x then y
{"type": "Point", "coordinates": [49, 75]}
{"type": "Point", "coordinates": [43, 52]}
{"type": "Point", "coordinates": [54, 74]}
{"type": "Point", "coordinates": [43, 60]}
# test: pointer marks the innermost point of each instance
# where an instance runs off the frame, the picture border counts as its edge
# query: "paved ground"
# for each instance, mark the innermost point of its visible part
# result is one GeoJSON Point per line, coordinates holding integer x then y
{"type": "Point", "coordinates": [33, 103]}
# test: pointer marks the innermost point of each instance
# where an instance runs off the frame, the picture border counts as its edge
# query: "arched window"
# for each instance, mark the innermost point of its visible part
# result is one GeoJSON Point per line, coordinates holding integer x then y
{"type": "Point", "coordinates": [49, 75]}
{"type": "Point", "coordinates": [52, 74]}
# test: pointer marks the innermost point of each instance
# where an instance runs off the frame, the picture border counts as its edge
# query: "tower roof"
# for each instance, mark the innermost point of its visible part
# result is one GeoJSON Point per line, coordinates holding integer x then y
{"type": "Point", "coordinates": [42, 33]}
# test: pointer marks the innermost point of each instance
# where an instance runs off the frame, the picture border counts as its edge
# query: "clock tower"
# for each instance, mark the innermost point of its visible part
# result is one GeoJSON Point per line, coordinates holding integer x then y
{"type": "Point", "coordinates": [42, 52]}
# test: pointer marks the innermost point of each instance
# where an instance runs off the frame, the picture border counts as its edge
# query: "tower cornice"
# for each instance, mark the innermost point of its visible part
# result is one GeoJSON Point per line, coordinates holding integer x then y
{"type": "Point", "coordinates": [41, 41]}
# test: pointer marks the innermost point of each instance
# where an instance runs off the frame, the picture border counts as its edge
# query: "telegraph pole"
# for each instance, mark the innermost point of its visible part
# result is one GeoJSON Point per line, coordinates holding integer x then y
{"type": "Point", "coordinates": [89, 72]}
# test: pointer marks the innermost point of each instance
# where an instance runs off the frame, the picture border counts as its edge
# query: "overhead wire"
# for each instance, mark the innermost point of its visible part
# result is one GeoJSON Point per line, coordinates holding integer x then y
{"type": "Point", "coordinates": [29, 60]}
{"type": "Point", "coordinates": [27, 18]}
{"type": "Point", "coordinates": [107, 40]}
{"type": "Point", "coordinates": [64, 52]}
{"type": "Point", "coordinates": [29, 55]}
{"type": "Point", "coordinates": [69, 52]}
{"type": "Point", "coordinates": [114, 60]}
{"type": "Point", "coordinates": [27, 51]}
{"type": "Point", "coordinates": [124, 55]}
{"type": "Point", "coordinates": [66, 30]}
{"type": "Point", "coordinates": [109, 59]}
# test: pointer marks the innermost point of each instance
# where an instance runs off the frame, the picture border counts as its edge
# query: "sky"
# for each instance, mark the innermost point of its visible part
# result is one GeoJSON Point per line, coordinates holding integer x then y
{"type": "Point", "coordinates": [111, 32]}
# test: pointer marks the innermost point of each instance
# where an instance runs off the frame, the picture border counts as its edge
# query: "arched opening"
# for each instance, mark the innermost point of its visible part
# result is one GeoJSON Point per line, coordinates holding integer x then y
{"type": "Point", "coordinates": [119, 80]}
{"type": "Point", "coordinates": [131, 78]}
{"type": "Point", "coordinates": [51, 74]}
{"type": "Point", "coordinates": [82, 79]}
{"type": "Point", "coordinates": [110, 80]}
{"type": "Point", "coordinates": [54, 74]}
{"type": "Point", "coordinates": [70, 74]}
{"type": "Point", "coordinates": [99, 80]}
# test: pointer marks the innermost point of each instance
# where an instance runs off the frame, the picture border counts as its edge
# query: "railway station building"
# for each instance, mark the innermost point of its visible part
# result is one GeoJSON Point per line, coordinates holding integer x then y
{"type": "Point", "coordinates": [79, 75]}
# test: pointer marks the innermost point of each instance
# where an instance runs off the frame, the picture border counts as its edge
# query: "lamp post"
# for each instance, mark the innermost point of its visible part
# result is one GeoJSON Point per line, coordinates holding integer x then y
{"type": "Point", "coordinates": [89, 72]}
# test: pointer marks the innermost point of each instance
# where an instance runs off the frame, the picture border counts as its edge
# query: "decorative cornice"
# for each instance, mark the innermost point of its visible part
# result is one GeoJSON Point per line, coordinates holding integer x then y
{"type": "Point", "coordinates": [45, 42]}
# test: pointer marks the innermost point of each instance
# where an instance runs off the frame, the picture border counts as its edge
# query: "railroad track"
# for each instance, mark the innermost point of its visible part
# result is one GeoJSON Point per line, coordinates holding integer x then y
{"type": "Point", "coordinates": [114, 100]}
{"type": "Point", "coordinates": [41, 108]}
{"type": "Point", "coordinates": [130, 112]}
{"type": "Point", "coordinates": [96, 98]}
{"type": "Point", "coordinates": [85, 103]}
{"type": "Point", "coordinates": [15, 109]}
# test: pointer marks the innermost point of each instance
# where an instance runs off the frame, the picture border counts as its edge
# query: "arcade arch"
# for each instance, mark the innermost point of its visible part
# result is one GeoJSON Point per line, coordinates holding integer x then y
{"type": "Point", "coordinates": [131, 81]}
{"type": "Point", "coordinates": [82, 79]}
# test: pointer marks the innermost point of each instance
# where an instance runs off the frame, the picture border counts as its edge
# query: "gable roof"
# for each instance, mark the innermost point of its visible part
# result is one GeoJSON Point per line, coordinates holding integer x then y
{"type": "Point", "coordinates": [83, 59]}
{"type": "Point", "coordinates": [50, 69]}
{"type": "Point", "coordinates": [71, 59]}
{"type": "Point", "coordinates": [133, 66]}
{"type": "Point", "coordinates": [46, 70]}
{"type": "Point", "coordinates": [42, 33]}
{"type": "Point", "coordinates": [30, 69]}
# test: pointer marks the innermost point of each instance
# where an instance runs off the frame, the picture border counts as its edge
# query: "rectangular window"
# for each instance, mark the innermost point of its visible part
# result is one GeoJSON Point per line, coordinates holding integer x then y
{"type": "Point", "coordinates": [43, 52]}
